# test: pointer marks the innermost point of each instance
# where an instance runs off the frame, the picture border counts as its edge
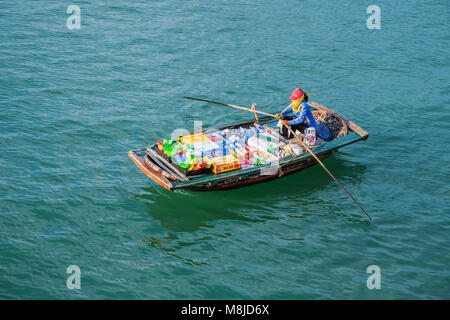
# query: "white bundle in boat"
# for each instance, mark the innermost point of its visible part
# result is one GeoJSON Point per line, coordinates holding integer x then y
{"type": "Point", "coordinates": [262, 146]}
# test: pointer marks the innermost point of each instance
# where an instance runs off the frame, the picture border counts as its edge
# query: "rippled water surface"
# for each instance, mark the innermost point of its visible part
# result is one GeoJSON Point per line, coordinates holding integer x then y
{"type": "Point", "coordinates": [73, 102]}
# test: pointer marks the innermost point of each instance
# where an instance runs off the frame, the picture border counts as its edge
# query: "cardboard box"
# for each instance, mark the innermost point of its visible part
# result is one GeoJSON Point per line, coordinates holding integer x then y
{"type": "Point", "coordinates": [226, 163]}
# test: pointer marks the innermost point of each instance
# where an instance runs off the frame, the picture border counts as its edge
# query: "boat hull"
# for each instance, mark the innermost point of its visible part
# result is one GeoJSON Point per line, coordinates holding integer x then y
{"type": "Point", "coordinates": [244, 181]}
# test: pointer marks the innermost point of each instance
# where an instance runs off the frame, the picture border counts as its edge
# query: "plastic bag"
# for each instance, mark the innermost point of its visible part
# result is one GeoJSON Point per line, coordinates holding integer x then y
{"type": "Point", "coordinates": [323, 132]}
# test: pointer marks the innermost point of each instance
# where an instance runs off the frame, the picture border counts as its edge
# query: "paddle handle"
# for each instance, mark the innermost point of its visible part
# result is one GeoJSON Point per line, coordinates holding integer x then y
{"type": "Point", "coordinates": [233, 106]}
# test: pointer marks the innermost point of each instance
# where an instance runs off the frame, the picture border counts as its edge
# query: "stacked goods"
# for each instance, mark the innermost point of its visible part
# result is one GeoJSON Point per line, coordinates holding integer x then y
{"type": "Point", "coordinates": [184, 155]}
{"type": "Point", "coordinates": [226, 150]}
{"type": "Point", "coordinates": [194, 148]}
{"type": "Point", "coordinates": [245, 157]}
{"type": "Point", "coordinates": [166, 147]}
{"type": "Point", "coordinates": [193, 138]}
{"type": "Point", "coordinates": [225, 163]}
{"type": "Point", "coordinates": [263, 149]}
{"type": "Point", "coordinates": [215, 137]}
{"type": "Point", "coordinates": [269, 147]}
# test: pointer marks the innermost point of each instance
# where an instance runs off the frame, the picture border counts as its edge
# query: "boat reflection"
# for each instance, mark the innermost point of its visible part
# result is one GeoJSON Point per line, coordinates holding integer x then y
{"type": "Point", "coordinates": [197, 215]}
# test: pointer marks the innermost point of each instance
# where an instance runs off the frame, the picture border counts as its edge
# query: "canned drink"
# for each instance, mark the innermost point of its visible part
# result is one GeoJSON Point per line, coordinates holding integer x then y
{"type": "Point", "coordinates": [310, 136]}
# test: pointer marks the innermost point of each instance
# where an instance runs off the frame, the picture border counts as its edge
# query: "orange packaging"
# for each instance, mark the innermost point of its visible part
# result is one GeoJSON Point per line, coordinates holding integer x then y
{"type": "Point", "coordinates": [194, 138]}
{"type": "Point", "coordinates": [225, 163]}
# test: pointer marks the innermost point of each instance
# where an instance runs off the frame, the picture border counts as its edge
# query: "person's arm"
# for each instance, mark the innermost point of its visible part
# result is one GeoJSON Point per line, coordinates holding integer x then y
{"type": "Point", "coordinates": [287, 110]}
{"type": "Point", "coordinates": [302, 115]}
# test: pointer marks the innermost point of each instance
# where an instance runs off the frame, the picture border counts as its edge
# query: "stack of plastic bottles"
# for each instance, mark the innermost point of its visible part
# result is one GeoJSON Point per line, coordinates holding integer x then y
{"type": "Point", "coordinates": [226, 150]}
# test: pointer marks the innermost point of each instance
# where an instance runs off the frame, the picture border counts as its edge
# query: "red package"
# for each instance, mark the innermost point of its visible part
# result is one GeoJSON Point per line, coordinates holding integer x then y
{"type": "Point", "coordinates": [160, 146]}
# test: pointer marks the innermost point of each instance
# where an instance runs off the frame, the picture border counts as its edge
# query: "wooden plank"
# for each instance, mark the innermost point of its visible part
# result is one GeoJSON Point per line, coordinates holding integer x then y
{"type": "Point", "coordinates": [162, 165]}
{"type": "Point", "coordinates": [156, 176]}
{"type": "Point", "coordinates": [256, 114]}
{"type": "Point", "coordinates": [151, 164]}
{"type": "Point", "coordinates": [170, 166]}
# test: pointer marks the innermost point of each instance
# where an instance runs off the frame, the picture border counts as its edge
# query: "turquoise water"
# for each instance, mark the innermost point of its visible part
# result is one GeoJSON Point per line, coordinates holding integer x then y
{"type": "Point", "coordinates": [73, 102]}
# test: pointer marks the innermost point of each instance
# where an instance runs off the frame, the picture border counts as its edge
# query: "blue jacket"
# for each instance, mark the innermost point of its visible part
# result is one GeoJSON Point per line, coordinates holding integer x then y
{"type": "Point", "coordinates": [303, 115]}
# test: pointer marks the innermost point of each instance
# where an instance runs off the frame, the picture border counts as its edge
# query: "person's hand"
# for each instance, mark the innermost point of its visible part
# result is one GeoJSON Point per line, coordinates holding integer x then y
{"type": "Point", "coordinates": [286, 122]}
{"type": "Point", "coordinates": [278, 115]}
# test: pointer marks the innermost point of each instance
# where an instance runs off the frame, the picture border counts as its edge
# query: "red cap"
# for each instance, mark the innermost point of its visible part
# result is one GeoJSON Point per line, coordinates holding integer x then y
{"type": "Point", "coordinates": [296, 94]}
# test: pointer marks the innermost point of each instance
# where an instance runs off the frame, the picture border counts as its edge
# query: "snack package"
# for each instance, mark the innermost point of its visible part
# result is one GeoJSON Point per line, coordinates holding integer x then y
{"type": "Point", "coordinates": [225, 163]}
{"type": "Point", "coordinates": [215, 137]}
{"type": "Point", "coordinates": [193, 138]}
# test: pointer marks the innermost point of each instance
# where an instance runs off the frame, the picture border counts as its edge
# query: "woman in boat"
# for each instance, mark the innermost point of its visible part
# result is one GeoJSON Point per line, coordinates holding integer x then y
{"type": "Point", "coordinates": [303, 117]}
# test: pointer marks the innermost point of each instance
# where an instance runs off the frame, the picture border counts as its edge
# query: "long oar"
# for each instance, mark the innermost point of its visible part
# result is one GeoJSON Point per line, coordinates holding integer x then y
{"type": "Point", "coordinates": [293, 133]}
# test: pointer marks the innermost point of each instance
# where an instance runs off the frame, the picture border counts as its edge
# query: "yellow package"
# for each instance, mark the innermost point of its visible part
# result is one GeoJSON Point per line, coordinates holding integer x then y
{"type": "Point", "coordinates": [194, 138]}
{"type": "Point", "coordinates": [225, 163]}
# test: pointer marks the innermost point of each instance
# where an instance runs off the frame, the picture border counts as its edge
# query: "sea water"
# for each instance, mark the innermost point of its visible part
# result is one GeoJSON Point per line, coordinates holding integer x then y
{"type": "Point", "coordinates": [74, 101]}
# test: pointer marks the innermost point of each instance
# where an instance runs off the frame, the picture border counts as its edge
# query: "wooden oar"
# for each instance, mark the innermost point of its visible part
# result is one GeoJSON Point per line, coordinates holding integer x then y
{"type": "Point", "coordinates": [295, 135]}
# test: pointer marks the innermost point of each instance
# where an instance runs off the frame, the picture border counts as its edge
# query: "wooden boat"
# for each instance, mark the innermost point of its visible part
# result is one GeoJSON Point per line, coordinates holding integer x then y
{"type": "Point", "coordinates": [168, 175]}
